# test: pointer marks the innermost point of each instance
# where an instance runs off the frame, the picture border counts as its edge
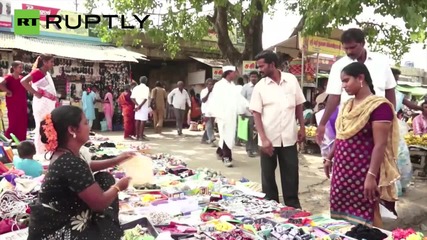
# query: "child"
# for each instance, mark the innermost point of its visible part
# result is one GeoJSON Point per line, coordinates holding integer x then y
{"type": "Point", "coordinates": [25, 162]}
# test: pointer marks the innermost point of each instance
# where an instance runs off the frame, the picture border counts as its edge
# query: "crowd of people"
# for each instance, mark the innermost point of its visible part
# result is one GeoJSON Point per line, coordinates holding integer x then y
{"type": "Point", "coordinates": [360, 92]}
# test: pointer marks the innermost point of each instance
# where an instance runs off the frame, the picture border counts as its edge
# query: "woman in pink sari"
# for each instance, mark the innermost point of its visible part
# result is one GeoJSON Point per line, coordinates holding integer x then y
{"type": "Point", "coordinates": [40, 84]}
{"type": "Point", "coordinates": [108, 105]}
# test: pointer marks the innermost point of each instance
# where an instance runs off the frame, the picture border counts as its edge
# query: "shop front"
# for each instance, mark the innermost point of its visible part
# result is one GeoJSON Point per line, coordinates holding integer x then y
{"type": "Point", "coordinates": [310, 58]}
{"type": "Point", "coordinates": [80, 60]}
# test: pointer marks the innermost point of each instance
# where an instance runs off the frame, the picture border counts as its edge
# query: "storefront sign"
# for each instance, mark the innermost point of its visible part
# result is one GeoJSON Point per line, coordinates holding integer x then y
{"type": "Point", "coordinates": [323, 45]}
{"type": "Point", "coordinates": [33, 19]}
{"type": "Point", "coordinates": [5, 14]}
{"type": "Point", "coordinates": [216, 73]}
{"type": "Point", "coordinates": [248, 67]}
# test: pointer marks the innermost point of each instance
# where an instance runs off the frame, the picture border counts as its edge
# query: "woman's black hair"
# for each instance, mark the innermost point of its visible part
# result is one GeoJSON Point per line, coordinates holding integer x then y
{"type": "Point", "coordinates": [192, 93]}
{"type": "Point", "coordinates": [41, 59]}
{"type": "Point", "coordinates": [63, 117]}
{"type": "Point", "coordinates": [356, 69]}
{"type": "Point", "coordinates": [158, 84]}
{"type": "Point", "coordinates": [15, 64]}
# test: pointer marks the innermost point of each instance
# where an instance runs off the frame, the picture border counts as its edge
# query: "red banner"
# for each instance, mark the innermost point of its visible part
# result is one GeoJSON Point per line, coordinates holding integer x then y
{"type": "Point", "coordinates": [5, 14]}
{"type": "Point", "coordinates": [43, 10]}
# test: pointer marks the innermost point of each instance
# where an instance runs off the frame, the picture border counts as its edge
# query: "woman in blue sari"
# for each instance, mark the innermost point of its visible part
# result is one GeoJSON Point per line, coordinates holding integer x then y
{"type": "Point", "coordinates": [88, 104]}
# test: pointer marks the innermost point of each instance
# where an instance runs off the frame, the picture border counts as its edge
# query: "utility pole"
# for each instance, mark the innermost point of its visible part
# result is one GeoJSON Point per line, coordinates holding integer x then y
{"type": "Point", "coordinates": [76, 4]}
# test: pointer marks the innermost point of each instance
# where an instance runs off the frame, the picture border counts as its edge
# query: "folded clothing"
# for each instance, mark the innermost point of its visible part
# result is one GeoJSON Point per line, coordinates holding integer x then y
{"type": "Point", "coordinates": [363, 232]}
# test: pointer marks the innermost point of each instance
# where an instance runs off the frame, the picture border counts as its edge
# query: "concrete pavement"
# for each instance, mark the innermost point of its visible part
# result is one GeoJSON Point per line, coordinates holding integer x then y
{"type": "Point", "coordinates": [314, 187]}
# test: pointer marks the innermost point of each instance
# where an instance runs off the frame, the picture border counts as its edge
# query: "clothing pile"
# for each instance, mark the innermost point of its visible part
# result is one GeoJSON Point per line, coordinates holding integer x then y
{"type": "Point", "coordinates": [16, 194]}
{"type": "Point", "coordinates": [361, 232]}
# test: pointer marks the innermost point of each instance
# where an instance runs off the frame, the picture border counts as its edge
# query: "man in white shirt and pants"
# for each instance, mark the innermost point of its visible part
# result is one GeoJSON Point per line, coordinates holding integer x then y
{"type": "Point", "coordinates": [178, 98]}
{"type": "Point", "coordinates": [139, 96]}
{"type": "Point", "coordinates": [208, 135]}
{"type": "Point", "coordinates": [225, 105]}
{"type": "Point", "coordinates": [353, 41]}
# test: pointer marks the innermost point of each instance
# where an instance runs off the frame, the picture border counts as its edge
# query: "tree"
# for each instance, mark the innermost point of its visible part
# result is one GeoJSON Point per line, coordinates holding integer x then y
{"type": "Point", "coordinates": [189, 20]}
{"type": "Point", "coordinates": [384, 36]}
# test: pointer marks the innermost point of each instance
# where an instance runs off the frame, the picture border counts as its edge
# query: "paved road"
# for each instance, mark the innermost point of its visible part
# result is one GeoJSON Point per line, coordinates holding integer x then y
{"type": "Point", "coordinates": [314, 187]}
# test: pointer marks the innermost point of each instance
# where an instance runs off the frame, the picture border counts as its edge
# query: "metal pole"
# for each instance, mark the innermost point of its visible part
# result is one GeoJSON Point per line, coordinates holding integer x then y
{"type": "Point", "coordinates": [317, 70]}
{"type": "Point", "coordinates": [302, 67]}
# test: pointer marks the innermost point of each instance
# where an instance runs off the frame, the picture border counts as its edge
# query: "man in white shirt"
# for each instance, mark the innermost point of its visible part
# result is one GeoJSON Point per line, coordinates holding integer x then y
{"type": "Point", "coordinates": [178, 98]}
{"type": "Point", "coordinates": [140, 96]}
{"type": "Point", "coordinates": [353, 41]}
{"type": "Point", "coordinates": [225, 105]}
{"type": "Point", "coordinates": [239, 87]}
{"type": "Point", "coordinates": [276, 102]}
{"type": "Point", "coordinates": [248, 88]}
{"type": "Point", "coordinates": [208, 135]}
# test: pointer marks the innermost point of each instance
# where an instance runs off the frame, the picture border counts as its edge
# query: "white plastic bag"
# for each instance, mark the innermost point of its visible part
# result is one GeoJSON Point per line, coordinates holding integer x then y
{"type": "Point", "coordinates": [403, 160]}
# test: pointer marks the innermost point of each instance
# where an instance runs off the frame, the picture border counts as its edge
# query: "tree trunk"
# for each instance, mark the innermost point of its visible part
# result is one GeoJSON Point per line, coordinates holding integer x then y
{"type": "Point", "coordinates": [224, 42]}
{"type": "Point", "coordinates": [252, 33]}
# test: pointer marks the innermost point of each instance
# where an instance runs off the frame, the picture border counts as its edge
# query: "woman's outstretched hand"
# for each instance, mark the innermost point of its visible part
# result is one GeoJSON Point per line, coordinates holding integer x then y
{"type": "Point", "coordinates": [123, 157]}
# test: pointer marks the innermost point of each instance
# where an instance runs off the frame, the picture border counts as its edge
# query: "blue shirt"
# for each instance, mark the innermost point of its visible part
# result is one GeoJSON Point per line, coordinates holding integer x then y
{"type": "Point", "coordinates": [29, 166]}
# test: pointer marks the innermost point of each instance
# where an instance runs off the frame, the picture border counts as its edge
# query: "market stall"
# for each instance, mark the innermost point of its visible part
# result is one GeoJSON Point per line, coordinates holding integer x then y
{"type": "Point", "coordinates": [168, 200]}
{"type": "Point", "coordinates": [418, 153]}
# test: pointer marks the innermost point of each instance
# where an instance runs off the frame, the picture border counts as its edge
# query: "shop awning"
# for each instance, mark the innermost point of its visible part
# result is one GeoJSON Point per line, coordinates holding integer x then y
{"type": "Point", "coordinates": [72, 49]}
{"type": "Point", "coordinates": [416, 91]}
{"type": "Point", "coordinates": [291, 45]}
{"type": "Point", "coordinates": [7, 40]}
{"type": "Point", "coordinates": [217, 63]}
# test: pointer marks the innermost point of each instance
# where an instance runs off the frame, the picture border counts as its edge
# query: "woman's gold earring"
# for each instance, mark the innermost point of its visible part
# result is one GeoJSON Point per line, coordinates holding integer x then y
{"type": "Point", "coordinates": [74, 135]}
{"type": "Point", "coordinates": [361, 84]}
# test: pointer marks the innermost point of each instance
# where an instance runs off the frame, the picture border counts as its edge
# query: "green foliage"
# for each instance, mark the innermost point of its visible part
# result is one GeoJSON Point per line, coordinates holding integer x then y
{"type": "Point", "coordinates": [181, 20]}
{"type": "Point", "coordinates": [323, 15]}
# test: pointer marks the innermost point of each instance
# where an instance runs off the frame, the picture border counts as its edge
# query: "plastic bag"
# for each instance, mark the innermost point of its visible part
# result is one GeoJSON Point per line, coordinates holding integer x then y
{"type": "Point", "coordinates": [403, 160]}
{"type": "Point", "coordinates": [330, 134]}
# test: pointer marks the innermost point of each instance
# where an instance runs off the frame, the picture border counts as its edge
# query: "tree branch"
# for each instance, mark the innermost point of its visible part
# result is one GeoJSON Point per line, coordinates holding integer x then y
{"type": "Point", "coordinates": [224, 42]}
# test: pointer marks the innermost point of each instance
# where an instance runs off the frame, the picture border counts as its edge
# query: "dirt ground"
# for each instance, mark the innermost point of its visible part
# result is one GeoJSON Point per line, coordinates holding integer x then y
{"type": "Point", "coordinates": [314, 187]}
